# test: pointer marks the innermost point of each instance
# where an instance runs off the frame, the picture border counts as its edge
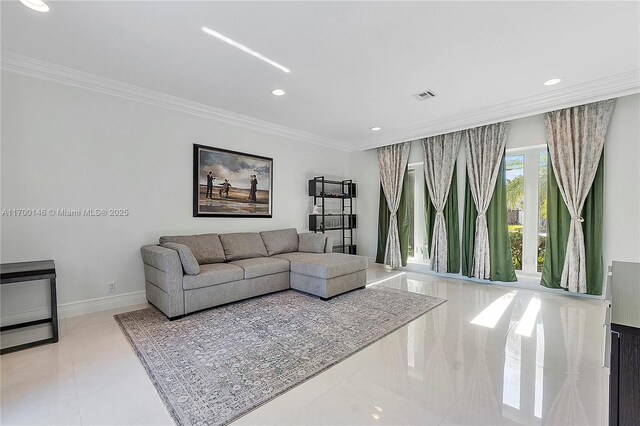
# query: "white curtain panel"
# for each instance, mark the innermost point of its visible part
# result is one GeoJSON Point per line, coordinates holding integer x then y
{"type": "Point", "coordinates": [392, 161]}
{"type": "Point", "coordinates": [485, 149]}
{"type": "Point", "coordinates": [439, 154]}
{"type": "Point", "coordinates": [576, 139]}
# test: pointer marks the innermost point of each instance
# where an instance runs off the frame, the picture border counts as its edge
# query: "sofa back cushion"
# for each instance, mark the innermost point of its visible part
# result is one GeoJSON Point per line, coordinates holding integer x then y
{"type": "Point", "coordinates": [280, 241]}
{"type": "Point", "coordinates": [243, 245]}
{"type": "Point", "coordinates": [206, 248]}
{"type": "Point", "coordinates": [310, 242]}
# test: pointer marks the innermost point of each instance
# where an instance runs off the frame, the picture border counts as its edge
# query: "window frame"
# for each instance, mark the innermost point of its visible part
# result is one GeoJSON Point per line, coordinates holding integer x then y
{"type": "Point", "coordinates": [419, 225]}
{"type": "Point", "coordinates": [531, 171]}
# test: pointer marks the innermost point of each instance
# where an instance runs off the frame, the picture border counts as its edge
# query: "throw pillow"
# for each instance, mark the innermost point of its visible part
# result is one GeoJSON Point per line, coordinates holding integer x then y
{"type": "Point", "coordinates": [310, 242]}
{"type": "Point", "coordinates": [188, 260]}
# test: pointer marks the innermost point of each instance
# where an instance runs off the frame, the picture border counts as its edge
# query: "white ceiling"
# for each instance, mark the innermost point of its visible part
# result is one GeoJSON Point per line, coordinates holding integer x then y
{"type": "Point", "coordinates": [353, 65]}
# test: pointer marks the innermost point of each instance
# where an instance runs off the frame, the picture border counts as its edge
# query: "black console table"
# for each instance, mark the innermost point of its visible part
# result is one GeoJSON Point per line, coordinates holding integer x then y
{"type": "Point", "coordinates": [624, 373]}
{"type": "Point", "coordinates": [31, 271]}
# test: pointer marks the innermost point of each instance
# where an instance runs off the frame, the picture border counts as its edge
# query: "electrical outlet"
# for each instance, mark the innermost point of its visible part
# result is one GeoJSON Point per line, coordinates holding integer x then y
{"type": "Point", "coordinates": [111, 287]}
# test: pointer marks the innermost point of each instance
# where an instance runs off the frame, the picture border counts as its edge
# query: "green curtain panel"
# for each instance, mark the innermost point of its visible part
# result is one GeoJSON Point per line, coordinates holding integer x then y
{"type": "Point", "coordinates": [558, 222]}
{"type": "Point", "coordinates": [450, 218]}
{"type": "Point", "coordinates": [499, 247]}
{"type": "Point", "coordinates": [384, 217]}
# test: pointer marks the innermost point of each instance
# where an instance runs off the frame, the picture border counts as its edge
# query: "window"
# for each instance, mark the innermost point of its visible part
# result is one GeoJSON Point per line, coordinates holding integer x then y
{"type": "Point", "coordinates": [542, 208]}
{"type": "Point", "coordinates": [415, 204]}
{"type": "Point", "coordinates": [411, 185]}
{"type": "Point", "coordinates": [526, 181]}
{"type": "Point", "coordinates": [515, 205]}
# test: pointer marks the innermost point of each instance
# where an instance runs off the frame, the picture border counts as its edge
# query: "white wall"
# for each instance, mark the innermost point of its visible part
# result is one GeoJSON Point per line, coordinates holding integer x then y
{"type": "Point", "coordinates": [622, 183]}
{"type": "Point", "coordinates": [65, 147]}
{"type": "Point", "coordinates": [622, 180]}
{"type": "Point", "coordinates": [363, 166]}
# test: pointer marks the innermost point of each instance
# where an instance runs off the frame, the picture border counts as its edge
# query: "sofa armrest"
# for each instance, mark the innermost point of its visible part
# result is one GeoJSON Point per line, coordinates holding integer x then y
{"type": "Point", "coordinates": [164, 259]}
{"type": "Point", "coordinates": [163, 271]}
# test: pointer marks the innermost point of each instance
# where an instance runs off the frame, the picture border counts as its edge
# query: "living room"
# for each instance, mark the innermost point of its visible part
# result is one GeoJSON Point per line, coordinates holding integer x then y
{"type": "Point", "coordinates": [429, 207]}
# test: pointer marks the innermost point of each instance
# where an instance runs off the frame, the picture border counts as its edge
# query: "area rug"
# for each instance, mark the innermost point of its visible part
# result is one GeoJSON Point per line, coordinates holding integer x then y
{"type": "Point", "coordinates": [214, 366]}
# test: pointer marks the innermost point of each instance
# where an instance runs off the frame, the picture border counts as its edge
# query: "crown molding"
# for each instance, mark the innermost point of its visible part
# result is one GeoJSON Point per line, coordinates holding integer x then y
{"type": "Point", "coordinates": [610, 87]}
{"type": "Point", "coordinates": [596, 90]}
{"type": "Point", "coordinates": [35, 68]}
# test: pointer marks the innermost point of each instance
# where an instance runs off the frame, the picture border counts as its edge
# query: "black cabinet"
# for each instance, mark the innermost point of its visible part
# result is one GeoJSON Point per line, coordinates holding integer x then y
{"type": "Point", "coordinates": [624, 379]}
{"type": "Point", "coordinates": [624, 382]}
{"type": "Point", "coordinates": [334, 200]}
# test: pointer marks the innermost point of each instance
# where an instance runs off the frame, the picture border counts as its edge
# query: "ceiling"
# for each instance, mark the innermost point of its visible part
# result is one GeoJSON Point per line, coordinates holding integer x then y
{"type": "Point", "coordinates": [354, 65]}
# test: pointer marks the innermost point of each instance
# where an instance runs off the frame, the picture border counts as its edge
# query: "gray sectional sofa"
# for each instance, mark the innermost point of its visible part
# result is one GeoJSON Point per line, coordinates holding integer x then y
{"type": "Point", "coordinates": [185, 274]}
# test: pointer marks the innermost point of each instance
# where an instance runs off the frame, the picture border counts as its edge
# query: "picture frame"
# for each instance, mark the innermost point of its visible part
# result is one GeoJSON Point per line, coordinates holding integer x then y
{"type": "Point", "coordinates": [231, 184]}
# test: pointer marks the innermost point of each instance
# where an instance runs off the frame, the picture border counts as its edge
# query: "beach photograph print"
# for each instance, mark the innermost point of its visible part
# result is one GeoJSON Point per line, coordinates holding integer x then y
{"type": "Point", "coordinates": [232, 184]}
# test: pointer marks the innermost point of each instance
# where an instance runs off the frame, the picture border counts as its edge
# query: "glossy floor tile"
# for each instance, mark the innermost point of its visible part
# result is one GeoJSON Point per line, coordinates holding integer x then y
{"type": "Point", "coordinates": [490, 355]}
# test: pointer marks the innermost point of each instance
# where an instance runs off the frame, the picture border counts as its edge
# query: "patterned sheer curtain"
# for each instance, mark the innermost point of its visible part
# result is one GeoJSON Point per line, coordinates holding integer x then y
{"type": "Point", "coordinates": [576, 140]}
{"type": "Point", "coordinates": [392, 162]}
{"type": "Point", "coordinates": [451, 219]}
{"type": "Point", "coordinates": [439, 154]}
{"type": "Point", "coordinates": [404, 223]}
{"type": "Point", "coordinates": [485, 150]}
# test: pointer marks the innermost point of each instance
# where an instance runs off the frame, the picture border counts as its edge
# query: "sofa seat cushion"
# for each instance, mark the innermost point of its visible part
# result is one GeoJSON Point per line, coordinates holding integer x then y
{"type": "Point", "coordinates": [280, 241]}
{"type": "Point", "coordinates": [213, 274]}
{"type": "Point", "coordinates": [296, 256]}
{"type": "Point", "coordinates": [326, 265]}
{"type": "Point", "coordinates": [243, 245]}
{"type": "Point", "coordinates": [206, 248]}
{"type": "Point", "coordinates": [260, 266]}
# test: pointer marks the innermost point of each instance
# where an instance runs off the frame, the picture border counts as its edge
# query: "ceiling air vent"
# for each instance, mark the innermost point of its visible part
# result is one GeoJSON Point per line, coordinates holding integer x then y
{"type": "Point", "coordinates": [424, 95]}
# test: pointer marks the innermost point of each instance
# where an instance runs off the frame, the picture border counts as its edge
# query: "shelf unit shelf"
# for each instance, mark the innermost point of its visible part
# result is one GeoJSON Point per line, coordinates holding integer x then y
{"type": "Point", "coordinates": [322, 189]}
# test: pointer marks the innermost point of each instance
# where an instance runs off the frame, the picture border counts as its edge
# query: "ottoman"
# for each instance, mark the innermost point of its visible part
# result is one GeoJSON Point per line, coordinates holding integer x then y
{"type": "Point", "coordinates": [327, 275]}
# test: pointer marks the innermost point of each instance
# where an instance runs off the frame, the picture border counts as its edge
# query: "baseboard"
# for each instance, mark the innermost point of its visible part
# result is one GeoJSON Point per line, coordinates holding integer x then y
{"type": "Point", "coordinates": [82, 307]}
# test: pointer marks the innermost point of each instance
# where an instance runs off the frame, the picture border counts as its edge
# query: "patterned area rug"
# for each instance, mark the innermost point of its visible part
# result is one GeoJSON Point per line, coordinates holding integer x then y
{"type": "Point", "coordinates": [214, 366]}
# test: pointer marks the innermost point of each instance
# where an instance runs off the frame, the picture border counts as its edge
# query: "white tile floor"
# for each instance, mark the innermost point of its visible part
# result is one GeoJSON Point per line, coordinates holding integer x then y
{"type": "Point", "coordinates": [535, 358]}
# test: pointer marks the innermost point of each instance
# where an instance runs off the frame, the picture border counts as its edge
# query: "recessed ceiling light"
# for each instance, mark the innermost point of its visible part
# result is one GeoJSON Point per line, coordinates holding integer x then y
{"type": "Point", "coordinates": [37, 5]}
{"type": "Point", "coordinates": [552, 82]}
{"type": "Point", "coordinates": [243, 48]}
{"type": "Point", "coordinates": [376, 129]}
{"type": "Point", "coordinates": [278, 92]}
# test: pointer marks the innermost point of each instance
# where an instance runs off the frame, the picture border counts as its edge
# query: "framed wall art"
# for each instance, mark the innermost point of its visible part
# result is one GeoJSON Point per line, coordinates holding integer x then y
{"type": "Point", "coordinates": [231, 184]}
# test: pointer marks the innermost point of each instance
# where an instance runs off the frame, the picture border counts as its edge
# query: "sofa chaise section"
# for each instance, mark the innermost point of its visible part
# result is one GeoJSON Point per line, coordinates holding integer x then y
{"type": "Point", "coordinates": [326, 275]}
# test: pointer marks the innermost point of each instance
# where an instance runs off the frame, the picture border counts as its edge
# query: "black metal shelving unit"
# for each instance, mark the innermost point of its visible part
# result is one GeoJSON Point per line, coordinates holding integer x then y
{"type": "Point", "coordinates": [345, 191]}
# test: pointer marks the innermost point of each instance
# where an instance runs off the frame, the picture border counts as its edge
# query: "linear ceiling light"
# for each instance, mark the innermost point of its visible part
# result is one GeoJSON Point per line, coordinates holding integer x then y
{"type": "Point", "coordinates": [244, 48]}
{"type": "Point", "coordinates": [37, 5]}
